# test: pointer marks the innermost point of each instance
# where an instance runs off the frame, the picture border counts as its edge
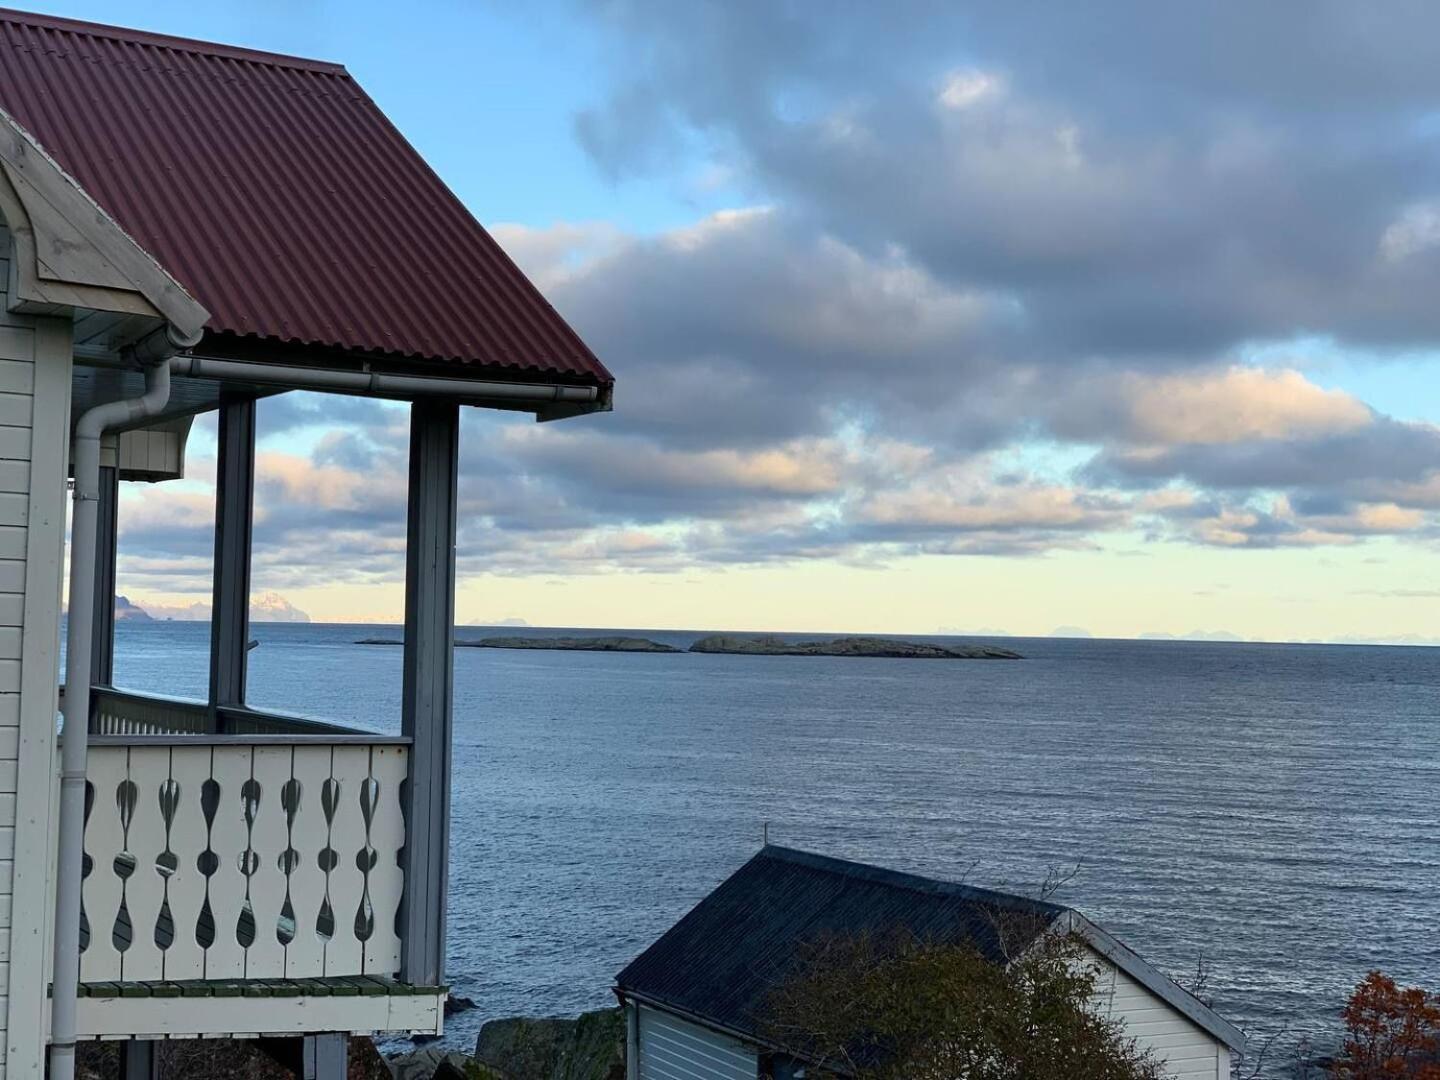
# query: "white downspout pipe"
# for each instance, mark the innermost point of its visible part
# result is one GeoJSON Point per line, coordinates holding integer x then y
{"type": "Point", "coordinates": [155, 351]}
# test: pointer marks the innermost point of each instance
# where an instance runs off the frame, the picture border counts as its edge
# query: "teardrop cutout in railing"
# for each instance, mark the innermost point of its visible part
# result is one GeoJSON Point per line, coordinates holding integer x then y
{"type": "Point", "coordinates": [205, 926]}
{"type": "Point", "coordinates": [250, 799]}
{"type": "Point", "coordinates": [126, 796]}
{"type": "Point", "coordinates": [364, 918]}
{"type": "Point", "coordinates": [369, 800]}
{"type": "Point", "coordinates": [164, 927]}
{"type": "Point", "coordinates": [245, 926]}
{"type": "Point", "coordinates": [325, 921]}
{"type": "Point", "coordinates": [328, 859]}
{"type": "Point", "coordinates": [169, 802]}
{"type": "Point", "coordinates": [121, 934]}
{"type": "Point", "coordinates": [290, 800]}
{"type": "Point", "coordinates": [285, 926]}
{"type": "Point", "coordinates": [124, 865]}
{"type": "Point", "coordinates": [84, 928]}
{"type": "Point", "coordinates": [209, 801]}
{"type": "Point", "coordinates": [167, 863]}
{"type": "Point", "coordinates": [330, 799]}
{"type": "Point", "coordinates": [248, 862]}
{"type": "Point", "coordinates": [207, 862]}
{"type": "Point", "coordinates": [89, 800]}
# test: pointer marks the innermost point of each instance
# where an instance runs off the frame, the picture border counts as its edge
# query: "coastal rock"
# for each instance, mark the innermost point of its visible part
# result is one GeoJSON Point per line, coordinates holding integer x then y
{"type": "Point", "coordinates": [570, 644]}
{"type": "Point", "coordinates": [458, 1003]}
{"type": "Point", "coordinates": [589, 1047]}
{"type": "Point", "coordinates": [436, 1062]}
{"type": "Point", "coordinates": [770, 645]}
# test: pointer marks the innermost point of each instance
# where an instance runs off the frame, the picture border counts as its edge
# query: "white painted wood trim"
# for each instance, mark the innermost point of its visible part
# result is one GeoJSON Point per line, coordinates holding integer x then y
{"type": "Point", "coordinates": [186, 1018]}
{"type": "Point", "coordinates": [69, 251]}
{"type": "Point", "coordinates": [32, 896]}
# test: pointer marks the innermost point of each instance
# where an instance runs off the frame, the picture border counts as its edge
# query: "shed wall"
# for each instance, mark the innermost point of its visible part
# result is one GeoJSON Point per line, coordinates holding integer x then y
{"type": "Point", "coordinates": [34, 424]}
{"type": "Point", "coordinates": [675, 1049]}
{"type": "Point", "coordinates": [1187, 1050]}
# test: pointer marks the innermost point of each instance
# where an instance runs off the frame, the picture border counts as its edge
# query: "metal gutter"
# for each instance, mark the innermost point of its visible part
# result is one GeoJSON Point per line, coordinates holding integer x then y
{"type": "Point", "coordinates": [378, 384]}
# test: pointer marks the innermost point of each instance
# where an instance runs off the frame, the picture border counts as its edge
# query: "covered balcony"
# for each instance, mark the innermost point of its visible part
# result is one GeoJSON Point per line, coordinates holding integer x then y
{"type": "Point", "coordinates": [195, 869]}
{"type": "Point", "coordinates": [248, 872]}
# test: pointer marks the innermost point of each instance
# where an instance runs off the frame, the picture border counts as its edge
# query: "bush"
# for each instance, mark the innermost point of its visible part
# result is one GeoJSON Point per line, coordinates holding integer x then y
{"type": "Point", "coordinates": [902, 1009]}
{"type": "Point", "coordinates": [1391, 1033]}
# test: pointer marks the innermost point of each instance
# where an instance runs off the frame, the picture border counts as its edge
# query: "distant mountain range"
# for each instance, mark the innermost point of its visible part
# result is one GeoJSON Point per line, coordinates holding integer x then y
{"type": "Point", "coordinates": [264, 607]}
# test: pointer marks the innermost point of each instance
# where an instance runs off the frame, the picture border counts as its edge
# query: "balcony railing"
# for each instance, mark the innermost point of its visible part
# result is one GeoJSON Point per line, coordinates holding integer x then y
{"type": "Point", "coordinates": [119, 712]}
{"type": "Point", "coordinates": [268, 852]}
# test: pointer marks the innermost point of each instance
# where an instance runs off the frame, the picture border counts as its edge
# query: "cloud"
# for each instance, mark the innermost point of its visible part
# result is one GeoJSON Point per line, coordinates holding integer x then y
{"type": "Point", "coordinates": [982, 290]}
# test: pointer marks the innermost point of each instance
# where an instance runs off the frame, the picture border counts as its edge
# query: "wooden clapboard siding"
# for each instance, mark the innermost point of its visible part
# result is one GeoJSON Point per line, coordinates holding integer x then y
{"type": "Point", "coordinates": [35, 361]}
{"type": "Point", "coordinates": [1187, 1051]}
{"type": "Point", "coordinates": [675, 1049]}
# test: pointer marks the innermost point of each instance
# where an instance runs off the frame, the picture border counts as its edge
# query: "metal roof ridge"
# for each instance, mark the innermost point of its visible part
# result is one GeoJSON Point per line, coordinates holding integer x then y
{"type": "Point", "coordinates": [899, 879]}
{"type": "Point", "coordinates": [169, 41]}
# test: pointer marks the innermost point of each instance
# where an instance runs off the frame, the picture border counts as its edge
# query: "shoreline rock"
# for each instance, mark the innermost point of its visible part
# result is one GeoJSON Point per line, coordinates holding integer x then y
{"type": "Point", "coordinates": [770, 645]}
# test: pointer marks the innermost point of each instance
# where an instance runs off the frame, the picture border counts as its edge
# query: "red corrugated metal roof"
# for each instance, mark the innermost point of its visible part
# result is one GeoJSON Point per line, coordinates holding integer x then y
{"type": "Point", "coordinates": [276, 191]}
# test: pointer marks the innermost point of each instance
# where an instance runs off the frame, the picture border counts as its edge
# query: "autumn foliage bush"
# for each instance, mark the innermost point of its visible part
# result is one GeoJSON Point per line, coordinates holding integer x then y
{"type": "Point", "coordinates": [1392, 1033]}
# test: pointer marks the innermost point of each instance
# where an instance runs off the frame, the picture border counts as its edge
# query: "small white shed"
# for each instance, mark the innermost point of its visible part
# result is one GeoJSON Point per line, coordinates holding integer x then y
{"type": "Point", "coordinates": [692, 999]}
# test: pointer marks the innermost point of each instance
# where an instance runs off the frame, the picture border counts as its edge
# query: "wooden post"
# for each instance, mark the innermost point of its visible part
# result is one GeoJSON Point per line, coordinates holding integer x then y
{"type": "Point", "coordinates": [325, 1057]}
{"type": "Point", "coordinates": [138, 1060]}
{"type": "Point", "coordinates": [102, 647]}
{"type": "Point", "coordinates": [428, 686]}
{"type": "Point", "coordinates": [234, 512]}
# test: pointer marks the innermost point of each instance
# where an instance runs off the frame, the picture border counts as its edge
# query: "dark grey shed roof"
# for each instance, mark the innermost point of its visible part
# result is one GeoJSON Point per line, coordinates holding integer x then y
{"type": "Point", "coordinates": [721, 961]}
{"type": "Point", "coordinates": [719, 964]}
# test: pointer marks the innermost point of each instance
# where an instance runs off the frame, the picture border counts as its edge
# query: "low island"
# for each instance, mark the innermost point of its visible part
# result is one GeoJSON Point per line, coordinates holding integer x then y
{"type": "Point", "coordinates": [770, 645]}
{"type": "Point", "coordinates": [740, 645]}
{"type": "Point", "coordinates": [569, 644]}
{"type": "Point", "coordinates": [560, 644]}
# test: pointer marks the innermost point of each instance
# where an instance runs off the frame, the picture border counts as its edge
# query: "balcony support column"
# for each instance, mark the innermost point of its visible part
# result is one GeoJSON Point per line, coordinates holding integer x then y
{"type": "Point", "coordinates": [428, 686]}
{"type": "Point", "coordinates": [139, 1061]}
{"type": "Point", "coordinates": [234, 515]}
{"type": "Point", "coordinates": [102, 646]}
{"type": "Point", "coordinates": [326, 1057]}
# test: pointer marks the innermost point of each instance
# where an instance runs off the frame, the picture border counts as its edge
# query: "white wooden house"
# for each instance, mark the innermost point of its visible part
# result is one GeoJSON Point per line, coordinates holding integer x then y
{"type": "Point", "coordinates": [187, 227]}
{"type": "Point", "coordinates": [695, 1000]}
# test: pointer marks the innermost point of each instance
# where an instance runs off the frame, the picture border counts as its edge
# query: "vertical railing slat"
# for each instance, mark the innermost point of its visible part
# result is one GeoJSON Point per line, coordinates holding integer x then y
{"type": "Point", "coordinates": [305, 955]}
{"type": "Point", "coordinates": [265, 959]}
{"type": "Point", "coordinates": [145, 891]}
{"type": "Point", "coordinates": [225, 959]}
{"type": "Point", "coordinates": [387, 835]}
{"type": "Point", "coordinates": [106, 770]}
{"type": "Point", "coordinates": [351, 768]}
{"type": "Point", "coordinates": [189, 768]}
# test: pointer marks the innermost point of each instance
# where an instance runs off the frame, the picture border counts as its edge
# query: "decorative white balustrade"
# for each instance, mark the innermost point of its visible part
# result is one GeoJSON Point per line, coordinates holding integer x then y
{"type": "Point", "coordinates": [242, 858]}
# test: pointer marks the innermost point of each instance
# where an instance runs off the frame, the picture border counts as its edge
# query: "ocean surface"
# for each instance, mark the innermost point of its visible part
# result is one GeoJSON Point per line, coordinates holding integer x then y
{"type": "Point", "coordinates": [1272, 810]}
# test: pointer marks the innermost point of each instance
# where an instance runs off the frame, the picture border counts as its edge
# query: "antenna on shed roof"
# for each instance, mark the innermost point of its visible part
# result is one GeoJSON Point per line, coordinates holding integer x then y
{"type": "Point", "coordinates": [765, 834]}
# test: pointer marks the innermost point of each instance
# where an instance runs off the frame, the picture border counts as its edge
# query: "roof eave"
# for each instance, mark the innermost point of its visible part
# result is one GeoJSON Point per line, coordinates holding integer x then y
{"type": "Point", "coordinates": [1154, 980]}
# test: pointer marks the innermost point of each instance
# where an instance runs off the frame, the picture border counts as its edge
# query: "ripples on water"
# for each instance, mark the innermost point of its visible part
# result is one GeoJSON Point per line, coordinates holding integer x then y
{"type": "Point", "coordinates": [1274, 808]}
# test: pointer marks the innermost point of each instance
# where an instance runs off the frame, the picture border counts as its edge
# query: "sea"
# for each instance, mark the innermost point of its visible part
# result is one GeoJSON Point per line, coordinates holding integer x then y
{"type": "Point", "coordinates": [1266, 815]}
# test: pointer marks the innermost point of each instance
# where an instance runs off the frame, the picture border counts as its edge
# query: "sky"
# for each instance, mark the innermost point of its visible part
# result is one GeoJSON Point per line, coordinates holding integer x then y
{"type": "Point", "coordinates": [926, 318]}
